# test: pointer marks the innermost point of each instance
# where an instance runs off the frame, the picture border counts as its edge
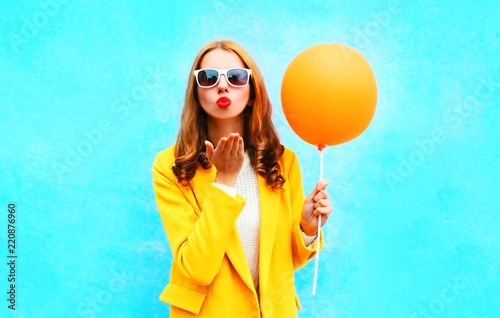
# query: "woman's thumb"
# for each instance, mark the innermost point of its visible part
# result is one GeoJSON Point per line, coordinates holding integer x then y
{"type": "Point", "coordinates": [312, 195]}
{"type": "Point", "coordinates": [319, 186]}
{"type": "Point", "coordinates": [210, 149]}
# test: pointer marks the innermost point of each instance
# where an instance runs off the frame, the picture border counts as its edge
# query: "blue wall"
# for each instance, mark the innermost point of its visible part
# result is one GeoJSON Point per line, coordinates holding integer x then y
{"type": "Point", "coordinates": [90, 91]}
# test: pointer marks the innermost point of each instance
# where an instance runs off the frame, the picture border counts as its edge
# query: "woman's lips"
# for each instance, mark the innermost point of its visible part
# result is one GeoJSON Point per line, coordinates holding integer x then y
{"type": "Point", "coordinates": [223, 102]}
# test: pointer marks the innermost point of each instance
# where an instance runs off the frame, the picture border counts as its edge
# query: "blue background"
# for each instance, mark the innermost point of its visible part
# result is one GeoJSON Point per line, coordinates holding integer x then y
{"type": "Point", "coordinates": [415, 226]}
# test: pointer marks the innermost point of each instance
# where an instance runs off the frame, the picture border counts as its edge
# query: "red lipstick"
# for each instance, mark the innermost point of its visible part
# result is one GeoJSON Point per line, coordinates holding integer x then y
{"type": "Point", "coordinates": [223, 102]}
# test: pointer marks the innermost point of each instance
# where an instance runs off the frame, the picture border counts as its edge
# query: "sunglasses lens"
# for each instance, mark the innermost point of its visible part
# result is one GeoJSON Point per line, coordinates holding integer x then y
{"type": "Point", "coordinates": [207, 77]}
{"type": "Point", "coordinates": [237, 76]}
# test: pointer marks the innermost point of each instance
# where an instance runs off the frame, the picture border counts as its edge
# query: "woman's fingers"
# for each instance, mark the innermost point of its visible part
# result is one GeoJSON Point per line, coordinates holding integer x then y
{"type": "Point", "coordinates": [322, 184]}
{"type": "Point", "coordinates": [236, 144]}
{"type": "Point", "coordinates": [221, 145]}
{"type": "Point", "coordinates": [323, 210]}
{"type": "Point", "coordinates": [233, 143]}
{"type": "Point", "coordinates": [230, 143]}
{"type": "Point", "coordinates": [241, 146]}
{"type": "Point", "coordinates": [317, 194]}
{"type": "Point", "coordinates": [321, 195]}
{"type": "Point", "coordinates": [322, 203]}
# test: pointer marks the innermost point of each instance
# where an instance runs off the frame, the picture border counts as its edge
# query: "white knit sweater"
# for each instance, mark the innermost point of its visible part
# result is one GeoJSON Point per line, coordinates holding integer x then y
{"type": "Point", "coordinates": [248, 222]}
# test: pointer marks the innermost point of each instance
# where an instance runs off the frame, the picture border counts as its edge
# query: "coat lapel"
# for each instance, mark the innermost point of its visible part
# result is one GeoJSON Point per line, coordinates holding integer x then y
{"type": "Point", "coordinates": [269, 212]}
{"type": "Point", "coordinates": [234, 250]}
{"type": "Point", "coordinates": [236, 255]}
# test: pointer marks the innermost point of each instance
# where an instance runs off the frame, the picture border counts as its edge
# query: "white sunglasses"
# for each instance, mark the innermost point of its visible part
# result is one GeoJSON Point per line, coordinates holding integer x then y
{"type": "Point", "coordinates": [209, 77]}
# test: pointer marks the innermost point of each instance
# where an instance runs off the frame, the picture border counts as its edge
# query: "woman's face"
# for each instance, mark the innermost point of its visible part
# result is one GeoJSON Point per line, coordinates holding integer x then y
{"type": "Point", "coordinates": [222, 59]}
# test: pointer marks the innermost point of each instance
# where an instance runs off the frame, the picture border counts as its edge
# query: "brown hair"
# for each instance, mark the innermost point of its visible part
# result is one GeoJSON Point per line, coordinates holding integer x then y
{"type": "Point", "coordinates": [260, 137]}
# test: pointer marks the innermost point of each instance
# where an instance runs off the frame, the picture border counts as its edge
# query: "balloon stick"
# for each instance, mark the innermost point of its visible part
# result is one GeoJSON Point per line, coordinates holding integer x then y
{"type": "Point", "coordinates": [320, 148]}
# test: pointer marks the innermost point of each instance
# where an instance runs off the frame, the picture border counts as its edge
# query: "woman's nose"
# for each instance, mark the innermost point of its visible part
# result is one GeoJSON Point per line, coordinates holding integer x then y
{"type": "Point", "coordinates": [222, 85]}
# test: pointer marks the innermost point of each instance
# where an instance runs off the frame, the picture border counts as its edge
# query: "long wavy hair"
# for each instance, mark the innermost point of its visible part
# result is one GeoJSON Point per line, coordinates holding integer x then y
{"type": "Point", "coordinates": [260, 137]}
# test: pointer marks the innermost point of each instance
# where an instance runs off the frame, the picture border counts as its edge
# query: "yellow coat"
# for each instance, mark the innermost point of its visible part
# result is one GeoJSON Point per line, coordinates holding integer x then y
{"type": "Point", "coordinates": [210, 276]}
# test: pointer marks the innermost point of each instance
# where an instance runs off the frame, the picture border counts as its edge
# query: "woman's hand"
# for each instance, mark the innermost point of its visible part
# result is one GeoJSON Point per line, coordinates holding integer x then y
{"type": "Point", "coordinates": [317, 202]}
{"type": "Point", "coordinates": [227, 158]}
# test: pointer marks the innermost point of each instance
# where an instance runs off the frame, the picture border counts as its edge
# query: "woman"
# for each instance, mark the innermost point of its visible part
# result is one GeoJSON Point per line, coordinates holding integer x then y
{"type": "Point", "coordinates": [231, 199]}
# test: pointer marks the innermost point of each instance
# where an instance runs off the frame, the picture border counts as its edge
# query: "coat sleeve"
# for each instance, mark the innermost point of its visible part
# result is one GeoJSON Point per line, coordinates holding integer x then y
{"type": "Point", "coordinates": [198, 243]}
{"type": "Point", "coordinates": [301, 253]}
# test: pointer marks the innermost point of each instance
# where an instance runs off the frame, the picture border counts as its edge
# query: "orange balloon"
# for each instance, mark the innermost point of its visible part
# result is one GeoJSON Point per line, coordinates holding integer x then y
{"type": "Point", "coordinates": [329, 94]}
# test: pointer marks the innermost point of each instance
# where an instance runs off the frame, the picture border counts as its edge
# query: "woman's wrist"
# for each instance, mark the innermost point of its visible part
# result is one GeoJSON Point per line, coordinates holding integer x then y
{"type": "Point", "coordinates": [226, 179]}
{"type": "Point", "coordinates": [229, 190]}
{"type": "Point", "coordinates": [307, 231]}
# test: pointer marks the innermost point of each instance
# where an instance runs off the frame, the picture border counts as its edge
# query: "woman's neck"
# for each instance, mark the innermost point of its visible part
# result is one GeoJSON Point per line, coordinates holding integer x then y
{"type": "Point", "coordinates": [218, 128]}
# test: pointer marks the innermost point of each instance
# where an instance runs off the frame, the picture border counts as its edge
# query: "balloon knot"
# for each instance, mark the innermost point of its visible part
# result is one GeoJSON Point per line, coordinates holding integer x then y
{"type": "Point", "coordinates": [321, 147]}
